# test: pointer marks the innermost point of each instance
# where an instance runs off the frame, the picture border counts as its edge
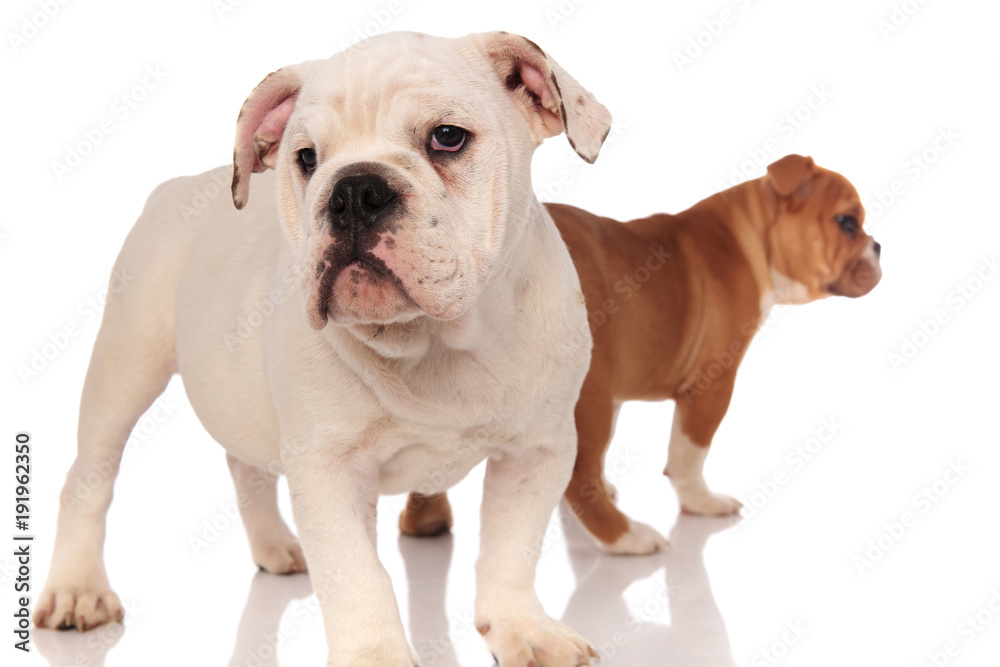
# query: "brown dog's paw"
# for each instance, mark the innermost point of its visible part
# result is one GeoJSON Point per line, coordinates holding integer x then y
{"type": "Point", "coordinates": [714, 504]}
{"type": "Point", "coordinates": [640, 540]}
{"type": "Point", "coordinates": [426, 516]}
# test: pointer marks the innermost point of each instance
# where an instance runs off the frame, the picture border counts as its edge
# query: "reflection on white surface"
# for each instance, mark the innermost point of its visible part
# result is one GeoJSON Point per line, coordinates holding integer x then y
{"type": "Point", "coordinates": [672, 619]}
{"type": "Point", "coordinates": [624, 631]}
{"type": "Point", "coordinates": [627, 631]}
{"type": "Point", "coordinates": [723, 595]}
{"type": "Point", "coordinates": [62, 649]}
{"type": "Point", "coordinates": [427, 561]}
{"type": "Point", "coordinates": [262, 628]}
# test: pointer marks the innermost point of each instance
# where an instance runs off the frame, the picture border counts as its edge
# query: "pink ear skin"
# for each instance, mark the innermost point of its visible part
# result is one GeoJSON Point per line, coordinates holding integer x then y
{"type": "Point", "coordinates": [261, 124]}
{"type": "Point", "coordinates": [268, 136]}
{"type": "Point", "coordinates": [786, 174]}
{"type": "Point", "coordinates": [558, 101]}
{"type": "Point", "coordinates": [534, 81]}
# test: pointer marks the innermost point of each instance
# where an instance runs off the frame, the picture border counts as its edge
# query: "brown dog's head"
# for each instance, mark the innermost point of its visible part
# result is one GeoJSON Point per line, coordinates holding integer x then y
{"type": "Point", "coordinates": [818, 244]}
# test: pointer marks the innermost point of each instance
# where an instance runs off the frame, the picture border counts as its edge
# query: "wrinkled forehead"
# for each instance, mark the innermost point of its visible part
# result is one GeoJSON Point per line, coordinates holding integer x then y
{"type": "Point", "coordinates": [399, 72]}
{"type": "Point", "coordinates": [835, 190]}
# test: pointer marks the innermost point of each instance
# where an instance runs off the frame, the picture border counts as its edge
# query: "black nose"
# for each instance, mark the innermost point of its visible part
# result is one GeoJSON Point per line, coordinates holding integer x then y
{"type": "Point", "coordinates": [877, 247]}
{"type": "Point", "coordinates": [359, 202]}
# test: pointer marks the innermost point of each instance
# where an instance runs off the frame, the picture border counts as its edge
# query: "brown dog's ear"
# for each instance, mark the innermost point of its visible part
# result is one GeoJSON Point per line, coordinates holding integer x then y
{"type": "Point", "coordinates": [788, 173]}
{"type": "Point", "coordinates": [556, 101]}
{"type": "Point", "coordinates": [261, 124]}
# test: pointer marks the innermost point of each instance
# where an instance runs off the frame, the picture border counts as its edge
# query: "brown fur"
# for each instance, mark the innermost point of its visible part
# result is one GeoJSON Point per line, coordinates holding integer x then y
{"type": "Point", "coordinates": [677, 327]}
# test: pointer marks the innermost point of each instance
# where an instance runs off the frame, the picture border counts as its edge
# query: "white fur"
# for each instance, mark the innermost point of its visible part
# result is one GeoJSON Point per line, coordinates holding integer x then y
{"type": "Point", "coordinates": [767, 302]}
{"type": "Point", "coordinates": [640, 540]}
{"type": "Point", "coordinates": [873, 259]}
{"type": "Point", "coordinates": [358, 408]}
{"type": "Point", "coordinates": [787, 290]}
{"type": "Point", "coordinates": [685, 467]}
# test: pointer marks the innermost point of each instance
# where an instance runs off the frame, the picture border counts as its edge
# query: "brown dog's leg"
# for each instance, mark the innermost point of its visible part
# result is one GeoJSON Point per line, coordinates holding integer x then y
{"type": "Point", "coordinates": [696, 419]}
{"type": "Point", "coordinates": [588, 493]}
{"type": "Point", "coordinates": [426, 516]}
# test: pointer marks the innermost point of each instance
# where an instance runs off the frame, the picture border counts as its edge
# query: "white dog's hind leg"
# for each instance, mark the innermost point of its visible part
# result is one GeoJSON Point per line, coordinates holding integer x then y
{"type": "Point", "coordinates": [274, 547]}
{"type": "Point", "coordinates": [130, 367]}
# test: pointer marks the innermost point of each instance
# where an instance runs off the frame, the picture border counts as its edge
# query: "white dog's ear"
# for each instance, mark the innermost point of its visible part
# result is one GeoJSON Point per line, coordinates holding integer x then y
{"type": "Point", "coordinates": [786, 174]}
{"type": "Point", "coordinates": [556, 101]}
{"type": "Point", "coordinates": [261, 124]}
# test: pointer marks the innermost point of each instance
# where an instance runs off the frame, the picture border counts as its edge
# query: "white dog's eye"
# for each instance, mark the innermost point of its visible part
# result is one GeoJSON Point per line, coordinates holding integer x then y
{"type": "Point", "coordinates": [307, 160]}
{"type": "Point", "coordinates": [449, 138]}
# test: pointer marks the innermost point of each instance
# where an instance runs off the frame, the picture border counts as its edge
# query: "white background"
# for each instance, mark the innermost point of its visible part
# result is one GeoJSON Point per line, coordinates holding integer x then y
{"type": "Point", "coordinates": [682, 129]}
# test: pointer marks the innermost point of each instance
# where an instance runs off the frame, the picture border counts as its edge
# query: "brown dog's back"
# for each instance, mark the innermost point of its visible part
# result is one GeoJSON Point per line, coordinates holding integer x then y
{"type": "Point", "coordinates": [657, 289]}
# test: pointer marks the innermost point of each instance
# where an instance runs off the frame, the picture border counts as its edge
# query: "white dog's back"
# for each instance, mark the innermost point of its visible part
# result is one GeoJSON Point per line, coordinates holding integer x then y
{"type": "Point", "coordinates": [204, 289]}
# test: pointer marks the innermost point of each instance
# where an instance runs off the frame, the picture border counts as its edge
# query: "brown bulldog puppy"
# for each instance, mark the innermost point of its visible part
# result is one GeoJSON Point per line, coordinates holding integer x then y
{"type": "Point", "coordinates": [674, 301]}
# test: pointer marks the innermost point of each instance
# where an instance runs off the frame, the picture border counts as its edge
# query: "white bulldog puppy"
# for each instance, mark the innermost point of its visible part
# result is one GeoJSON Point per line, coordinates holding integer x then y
{"type": "Point", "coordinates": [426, 316]}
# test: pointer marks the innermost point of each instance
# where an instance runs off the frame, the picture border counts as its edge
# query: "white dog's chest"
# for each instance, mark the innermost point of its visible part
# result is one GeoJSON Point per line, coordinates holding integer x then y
{"type": "Point", "coordinates": [430, 467]}
{"type": "Point", "coordinates": [427, 437]}
{"type": "Point", "coordinates": [262, 381]}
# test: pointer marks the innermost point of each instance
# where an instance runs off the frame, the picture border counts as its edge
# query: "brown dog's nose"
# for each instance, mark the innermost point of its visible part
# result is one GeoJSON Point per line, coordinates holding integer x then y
{"type": "Point", "coordinates": [877, 247]}
{"type": "Point", "coordinates": [359, 202]}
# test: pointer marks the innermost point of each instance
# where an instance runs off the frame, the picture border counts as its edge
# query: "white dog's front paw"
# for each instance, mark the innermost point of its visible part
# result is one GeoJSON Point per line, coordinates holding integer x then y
{"type": "Point", "coordinates": [640, 540]}
{"type": "Point", "coordinates": [535, 642]}
{"type": "Point", "coordinates": [717, 504]}
{"type": "Point", "coordinates": [83, 606]}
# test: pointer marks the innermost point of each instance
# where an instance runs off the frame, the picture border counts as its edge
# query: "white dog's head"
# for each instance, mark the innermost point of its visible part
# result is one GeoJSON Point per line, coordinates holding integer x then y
{"type": "Point", "coordinates": [404, 166]}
